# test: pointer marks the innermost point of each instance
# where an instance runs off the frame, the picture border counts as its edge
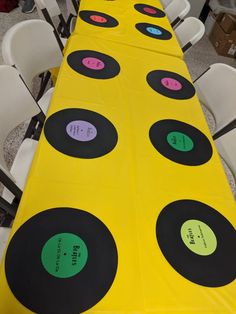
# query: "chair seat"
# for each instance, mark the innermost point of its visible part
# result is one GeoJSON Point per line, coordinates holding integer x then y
{"type": "Point", "coordinates": [4, 235]}
{"type": "Point", "coordinates": [21, 166]}
{"type": "Point", "coordinates": [45, 100]}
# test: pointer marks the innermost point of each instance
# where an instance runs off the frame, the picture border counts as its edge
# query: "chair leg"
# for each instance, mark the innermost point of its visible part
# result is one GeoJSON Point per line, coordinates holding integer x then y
{"type": "Point", "coordinates": [226, 129]}
{"type": "Point", "coordinates": [44, 84]}
{"type": "Point", "coordinates": [10, 209]}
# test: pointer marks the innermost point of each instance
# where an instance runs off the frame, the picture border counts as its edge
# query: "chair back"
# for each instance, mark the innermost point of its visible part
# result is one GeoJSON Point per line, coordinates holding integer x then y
{"type": "Point", "coordinates": [32, 48]}
{"type": "Point", "coordinates": [189, 32]}
{"type": "Point", "coordinates": [51, 6]}
{"type": "Point", "coordinates": [165, 3]}
{"type": "Point", "coordinates": [216, 89]}
{"type": "Point", "coordinates": [177, 10]}
{"type": "Point", "coordinates": [48, 10]}
{"type": "Point", "coordinates": [226, 146]}
{"type": "Point", "coordinates": [4, 235]}
{"type": "Point", "coordinates": [72, 7]}
{"type": "Point", "coordinates": [17, 106]}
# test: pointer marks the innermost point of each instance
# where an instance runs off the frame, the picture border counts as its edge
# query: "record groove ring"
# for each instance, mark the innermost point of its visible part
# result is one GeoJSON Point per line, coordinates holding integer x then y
{"type": "Point", "coordinates": [180, 142]}
{"type": "Point", "coordinates": [93, 64]}
{"type": "Point", "coordinates": [80, 133]}
{"type": "Point", "coordinates": [170, 84]}
{"type": "Point", "coordinates": [153, 31]}
{"type": "Point", "coordinates": [98, 18]}
{"type": "Point", "coordinates": [198, 242]}
{"type": "Point", "coordinates": [46, 277]}
{"type": "Point", "coordinates": [149, 10]}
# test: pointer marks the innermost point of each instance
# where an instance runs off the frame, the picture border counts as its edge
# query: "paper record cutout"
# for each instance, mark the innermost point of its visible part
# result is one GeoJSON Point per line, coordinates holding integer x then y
{"type": "Point", "coordinates": [80, 133]}
{"type": "Point", "coordinates": [154, 31]}
{"type": "Point", "coordinates": [63, 255]}
{"type": "Point", "coordinates": [93, 64]}
{"type": "Point", "coordinates": [198, 242]}
{"type": "Point", "coordinates": [180, 142]}
{"type": "Point", "coordinates": [170, 84]}
{"type": "Point", "coordinates": [149, 10]}
{"type": "Point", "coordinates": [98, 18]}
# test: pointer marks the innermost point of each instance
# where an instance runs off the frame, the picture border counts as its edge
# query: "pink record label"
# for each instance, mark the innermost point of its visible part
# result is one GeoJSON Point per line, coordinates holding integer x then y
{"type": "Point", "coordinates": [149, 10]}
{"type": "Point", "coordinates": [98, 18]}
{"type": "Point", "coordinates": [171, 84]}
{"type": "Point", "coordinates": [93, 63]}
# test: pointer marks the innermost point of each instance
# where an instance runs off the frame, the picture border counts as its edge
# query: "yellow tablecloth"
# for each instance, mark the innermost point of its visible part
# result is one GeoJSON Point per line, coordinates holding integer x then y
{"type": "Point", "coordinates": [126, 189]}
{"type": "Point", "coordinates": [156, 32]}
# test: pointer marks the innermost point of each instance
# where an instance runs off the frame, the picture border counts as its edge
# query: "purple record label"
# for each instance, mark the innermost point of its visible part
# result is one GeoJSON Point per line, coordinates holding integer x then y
{"type": "Point", "coordinates": [81, 130]}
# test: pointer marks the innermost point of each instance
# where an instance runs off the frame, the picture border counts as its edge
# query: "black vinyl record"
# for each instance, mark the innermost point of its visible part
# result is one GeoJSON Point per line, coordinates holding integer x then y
{"type": "Point", "coordinates": [198, 242]}
{"type": "Point", "coordinates": [98, 18]}
{"type": "Point", "coordinates": [61, 261]}
{"type": "Point", "coordinates": [170, 84]}
{"type": "Point", "coordinates": [153, 31]}
{"type": "Point", "coordinates": [93, 64]}
{"type": "Point", "coordinates": [149, 10]}
{"type": "Point", "coordinates": [80, 133]}
{"type": "Point", "coordinates": [180, 142]}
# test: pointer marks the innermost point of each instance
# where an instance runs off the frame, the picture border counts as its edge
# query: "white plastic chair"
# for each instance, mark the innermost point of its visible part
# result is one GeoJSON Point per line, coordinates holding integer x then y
{"type": "Point", "coordinates": [4, 235]}
{"type": "Point", "coordinates": [226, 146]}
{"type": "Point", "coordinates": [17, 106]}
{"type": "Point", "coordinates": [72, 7]}
{"type": "Point", "coordinates": [216, 89]}
{"type": "Point", "coordinates": [165, 3]}
{"type": "Point", "coordinates": [33, 49]}
{"type": "Point", "coordinates": [189, 32]}
{"type": "Point", "coordinates": [48, 10]}
{"type": "Point", "coordinates": [177, 10]}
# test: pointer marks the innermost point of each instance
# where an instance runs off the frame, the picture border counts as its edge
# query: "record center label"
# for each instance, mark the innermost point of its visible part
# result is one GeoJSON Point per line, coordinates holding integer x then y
{"type": "Point", "coordinates": [93, 63]}
{"type": "Point", "coordinates": [81, 130]}
{"type": "Point", "coordinates": [64, 255]}
{"type": "Point", "coordinates": [171, 83]}
{"type": "Point", "coordinates": [98, 18]}
{"type": "Point", "coordinates": [198, 237]}
{"type": "Point", "coordinates": [180, 141]}
{"type": "Point", "coordinates": [154, 31]}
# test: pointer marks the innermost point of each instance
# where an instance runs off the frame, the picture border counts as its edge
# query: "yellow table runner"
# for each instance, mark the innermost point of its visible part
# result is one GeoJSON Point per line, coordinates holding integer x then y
{"type": "Point", "coordinates": [127, 208]}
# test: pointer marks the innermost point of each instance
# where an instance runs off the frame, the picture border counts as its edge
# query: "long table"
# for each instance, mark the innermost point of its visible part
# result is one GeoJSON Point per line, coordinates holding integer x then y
{"type": "Point", "coordinates": [126, 208]}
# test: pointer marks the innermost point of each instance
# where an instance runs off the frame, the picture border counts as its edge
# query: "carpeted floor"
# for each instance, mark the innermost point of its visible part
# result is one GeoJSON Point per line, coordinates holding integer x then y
{"type": "Point", "coordinates": [198, 60]}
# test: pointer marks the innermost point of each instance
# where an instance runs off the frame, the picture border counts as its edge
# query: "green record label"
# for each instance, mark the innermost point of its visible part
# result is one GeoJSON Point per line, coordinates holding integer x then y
{"type": "Point", "coordinates": [180, 141]}
{"type": "Point", "coordinates": [198, 237]}
{"type": "Point", "coordinates": [64, 255]}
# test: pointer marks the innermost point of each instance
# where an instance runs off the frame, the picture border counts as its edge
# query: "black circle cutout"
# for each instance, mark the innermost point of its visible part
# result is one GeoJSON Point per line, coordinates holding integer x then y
{"type": "Point", "coordinates": [153, 31]}
{"type": "Point", "coordinates": [213, 270]}
{"type": "Point", "coordinates": [98, 18]}
{"type": "Point", "coordinates": [93, 64]}
{"type": "Point", "coordinates": [65, 134]}
{"type": "Point", "coordinates": [41, 292]}
{"type": "Point", "coordinates": [181, 89]}
{"type": "Point", "coordinates": [197, 152]}
{"type": "Point", "coordinates": [149, 10]}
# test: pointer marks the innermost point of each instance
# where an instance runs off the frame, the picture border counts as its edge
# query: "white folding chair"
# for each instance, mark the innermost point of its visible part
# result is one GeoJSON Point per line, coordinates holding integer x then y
{"type": "Point", "coordinates": [177, 10]}
{"type": "Point", "coordinates": [226, 146]}
{"type": "Point", "coordinates": [165, 3]}
{"type": "Point", "coordinates": [189, 32]}
{"type": "Point", "coordinates": [216, 89]}
{"type": "Point", "coordinates": [4, 235]}
{"type": "Point", "coordinates": [17, 106]}
{"type": "Point", "coordinates": [48, 10]}
{"type": "Point", "coordinates": [32, 48]}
